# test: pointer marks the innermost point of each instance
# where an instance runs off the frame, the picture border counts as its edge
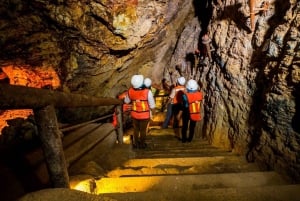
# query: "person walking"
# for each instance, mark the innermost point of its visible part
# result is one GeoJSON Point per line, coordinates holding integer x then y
{"type": "Point", "coordinates": [142, 102]}
{"type": "Point", "coordinates": [191, 109]}
{"type": "Point", "coordinates": [126, 108]}
{"type": "Point", "coordinates": [175, 101]}
{"type": "Point", "coordinates": [148, 85]}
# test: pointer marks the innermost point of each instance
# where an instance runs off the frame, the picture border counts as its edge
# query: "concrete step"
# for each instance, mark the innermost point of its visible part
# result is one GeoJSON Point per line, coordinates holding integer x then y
{"type": "Point", "coordinates": [180, 150]}
{"type": "Point", "coordinates": [166, 145]}
{"type": "Point", "coordinates": [260, 193]}
{"type": "Point", "coordinates": [184, 165]}
{"type": "Point", "coordinates": [180, 153]}
{"type": "Point", "coordinates": [192, 182]}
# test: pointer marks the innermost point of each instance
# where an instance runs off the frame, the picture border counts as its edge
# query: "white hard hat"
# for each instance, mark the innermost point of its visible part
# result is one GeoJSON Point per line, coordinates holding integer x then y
{"type": "Point", "coordinates": [181, 80]}
{"type": "Point", "coordinates": [137, 81]}
{"type": "Point", "coordinates": [147, 82]}
{"type": "Point", "coordinates": [192, 85]}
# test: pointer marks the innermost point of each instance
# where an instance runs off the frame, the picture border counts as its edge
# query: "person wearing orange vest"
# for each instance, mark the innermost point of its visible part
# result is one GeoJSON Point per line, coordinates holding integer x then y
{"type": "Point", "coordinates": [142, 102]}
{"type": "Point", "coordinates": [174, 105]}
{"type": "Point", "coordinates": [191, 110]}
{"type": "Point", "coordinates": [126, 108]}
{"type": "Point", "coordinates": [147, 85]}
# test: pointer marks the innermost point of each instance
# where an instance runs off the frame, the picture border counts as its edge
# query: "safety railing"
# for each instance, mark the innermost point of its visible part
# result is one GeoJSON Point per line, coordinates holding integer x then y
{"type": "Point", "coordinates": [43, 102]}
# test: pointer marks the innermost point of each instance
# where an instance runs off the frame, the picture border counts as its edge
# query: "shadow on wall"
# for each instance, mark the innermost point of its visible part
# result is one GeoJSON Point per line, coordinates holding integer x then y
{"type": "Point", "coordinates": [296, 118]}
{"type": "Point", "coordinates": [203, 10]}
{"type": "Point", "coordinates": [233, 12]}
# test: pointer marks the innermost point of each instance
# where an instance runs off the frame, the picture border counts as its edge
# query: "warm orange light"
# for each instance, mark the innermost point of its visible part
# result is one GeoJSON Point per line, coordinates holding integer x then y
{"type": "Point", "coordinates": [85, 185]}
{"type": "Point", "coordinates": [38, 77]}
{"type": "Point", "coordinates": [137, 184]}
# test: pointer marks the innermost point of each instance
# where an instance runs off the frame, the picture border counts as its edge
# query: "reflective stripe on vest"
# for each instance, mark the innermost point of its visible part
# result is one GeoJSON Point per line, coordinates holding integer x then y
{"type": "Point", "coordinates": [140, 106]}
{"type": "Point", "coordinates": [194, 100]}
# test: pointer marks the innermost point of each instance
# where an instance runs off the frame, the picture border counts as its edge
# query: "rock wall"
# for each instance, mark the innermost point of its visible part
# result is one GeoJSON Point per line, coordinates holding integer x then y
{"type": "Point", "coordinates": [94, 46]}
{"type": "Point", "coordinates": [251, 82]}
{"type": "Point", "coordinates": [251, 86]}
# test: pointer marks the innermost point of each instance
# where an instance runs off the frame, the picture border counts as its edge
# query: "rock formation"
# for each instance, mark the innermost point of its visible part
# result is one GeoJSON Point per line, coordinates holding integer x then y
{"type": "Point", "coordinates": [252, 89]}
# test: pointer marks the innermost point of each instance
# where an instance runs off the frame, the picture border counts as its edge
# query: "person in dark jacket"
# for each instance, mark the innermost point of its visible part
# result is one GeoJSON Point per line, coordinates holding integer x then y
{"type": "Point", "coordinates": [191, 100]}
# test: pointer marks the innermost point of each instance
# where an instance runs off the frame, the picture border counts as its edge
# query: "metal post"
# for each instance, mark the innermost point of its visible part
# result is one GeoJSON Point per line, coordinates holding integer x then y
{"type": "Point", "coordinates": [50, 137]}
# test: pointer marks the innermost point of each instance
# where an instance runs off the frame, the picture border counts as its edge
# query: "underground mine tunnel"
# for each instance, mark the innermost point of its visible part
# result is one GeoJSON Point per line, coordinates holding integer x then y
{"type": "Point", "coordinates": [64, 64]}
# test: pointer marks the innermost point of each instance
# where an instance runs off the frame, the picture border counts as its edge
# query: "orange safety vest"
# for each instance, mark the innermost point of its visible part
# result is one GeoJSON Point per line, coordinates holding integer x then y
{"type": "Point", "coordinates": [179, 91]}
{"type": "Point", "coordinates": [194, 100]}
{"type": "Point", "coordinates": [140, 106]}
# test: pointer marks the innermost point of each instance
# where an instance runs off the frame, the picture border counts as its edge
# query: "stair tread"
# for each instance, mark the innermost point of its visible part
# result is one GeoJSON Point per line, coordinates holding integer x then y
{"type": "Point", "coordinates": [184, 165]}
{"type": "Point", "coordinates": [181, 152]}
{"type": "Point", "coordinates": [258, 193]}
{"type": "Point", "coordinates": [204, 181]}
{"type": "Point", "coordinates": [170, 170]}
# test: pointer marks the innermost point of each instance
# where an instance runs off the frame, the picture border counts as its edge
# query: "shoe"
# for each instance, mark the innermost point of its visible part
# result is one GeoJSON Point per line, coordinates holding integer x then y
{"type": "Point", "coordinates": [134, 146]}
{"type": "Point", "coordinates": [183, 141]}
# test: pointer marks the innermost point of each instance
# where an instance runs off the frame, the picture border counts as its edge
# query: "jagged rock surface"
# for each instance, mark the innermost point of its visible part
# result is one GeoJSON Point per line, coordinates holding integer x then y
{"type": "Point", "coordinates": [252, 88]}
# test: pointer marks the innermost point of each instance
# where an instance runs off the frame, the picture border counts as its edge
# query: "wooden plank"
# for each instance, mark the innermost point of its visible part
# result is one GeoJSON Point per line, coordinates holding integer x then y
{"type": "Point", "coordinates": [21, 97]}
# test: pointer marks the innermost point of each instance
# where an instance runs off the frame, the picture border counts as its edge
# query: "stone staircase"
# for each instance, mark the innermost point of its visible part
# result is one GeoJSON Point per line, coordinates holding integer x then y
{"type": "Point", "coordinates": [170, 170]}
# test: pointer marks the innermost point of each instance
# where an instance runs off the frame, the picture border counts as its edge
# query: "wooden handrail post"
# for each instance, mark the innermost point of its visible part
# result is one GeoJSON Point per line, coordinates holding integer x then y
{"type": "Point", "coordinates": [120, 124]}
{"type": "Point", "coordinates": [50, 137]}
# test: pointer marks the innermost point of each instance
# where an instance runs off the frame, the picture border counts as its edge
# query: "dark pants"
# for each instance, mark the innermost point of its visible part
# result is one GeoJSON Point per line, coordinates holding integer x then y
{"type": "Point", "coordinates": [176, 108]}
{"type": "Point", "coordinates": [168, 115]}
{"type": "Point", "coordinates": [187, 123]}
{"type": "Point", "coordinates": [140, 131]}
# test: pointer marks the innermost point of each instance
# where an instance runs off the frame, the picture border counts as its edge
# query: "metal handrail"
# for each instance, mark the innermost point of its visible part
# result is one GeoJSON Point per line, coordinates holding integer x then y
{"type": "Point", "coordinates": [72, 127]}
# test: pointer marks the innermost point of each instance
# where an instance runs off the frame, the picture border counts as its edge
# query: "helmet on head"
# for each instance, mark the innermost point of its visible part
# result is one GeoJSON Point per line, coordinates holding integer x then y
{"type": "Point", "coordinates": [147, 82]}
{"type": "Point", "coordinates": [181, 80]}
{"type": "Point", "coordinates": [192, 85]}
{"type": "Point", "coordinates": [137, 81]}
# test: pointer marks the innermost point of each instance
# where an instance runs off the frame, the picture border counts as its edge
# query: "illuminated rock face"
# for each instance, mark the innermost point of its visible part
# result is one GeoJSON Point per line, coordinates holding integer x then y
{"type": "Point", "coordinates": [251, 88]}
{"type": "Point", "coordinates": [39, 77]}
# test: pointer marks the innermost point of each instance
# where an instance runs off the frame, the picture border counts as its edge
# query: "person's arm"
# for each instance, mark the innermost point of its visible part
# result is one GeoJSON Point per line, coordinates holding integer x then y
{"type": "Point", "coordinates": [151, 102]}
{"type": "Point", "coordinates": [171, 96]}
{"type": "Point", "coordinates": [127, 99]}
